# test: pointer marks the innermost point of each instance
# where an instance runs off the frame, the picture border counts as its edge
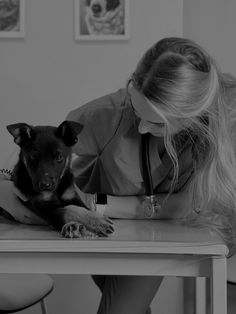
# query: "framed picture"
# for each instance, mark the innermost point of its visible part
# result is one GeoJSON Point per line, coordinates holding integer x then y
{"type": "Point", "coordinates": [102, 19]}
{"type": "Point", "coordinates": [12, 18]}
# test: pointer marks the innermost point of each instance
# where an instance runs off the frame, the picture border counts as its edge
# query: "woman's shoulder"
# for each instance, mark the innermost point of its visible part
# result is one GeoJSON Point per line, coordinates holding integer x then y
{"type": "Point", "coordinates": [108, 106]}
{"type": "Point", "coordinates": [100, 119]}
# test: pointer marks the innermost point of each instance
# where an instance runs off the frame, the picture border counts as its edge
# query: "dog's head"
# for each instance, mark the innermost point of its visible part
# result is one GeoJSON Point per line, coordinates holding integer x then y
{"type": "Point", "coordinates": [45, 151]}
{"type": "Point", "coordinates": [100, 7]}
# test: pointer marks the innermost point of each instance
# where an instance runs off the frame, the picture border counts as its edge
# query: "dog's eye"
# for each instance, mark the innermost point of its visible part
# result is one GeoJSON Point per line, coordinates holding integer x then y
{"type": "Point", "coordinates": [59, 157]}
{"type": "Point", "coordinates": [33, 156]}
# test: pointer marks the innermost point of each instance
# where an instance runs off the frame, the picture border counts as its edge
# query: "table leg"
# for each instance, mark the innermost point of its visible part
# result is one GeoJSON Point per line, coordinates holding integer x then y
{"type": "Point", "coordinates": [200, 295]}
{"type": "Point", "coordinates": [218, 286]}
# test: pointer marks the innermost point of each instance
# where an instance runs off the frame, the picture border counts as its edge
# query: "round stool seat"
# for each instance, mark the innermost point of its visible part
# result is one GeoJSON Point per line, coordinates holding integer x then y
{"type": "Point", "coordinates": [231, 269]}
{"type": "Point", "coordinates": [19, 291]}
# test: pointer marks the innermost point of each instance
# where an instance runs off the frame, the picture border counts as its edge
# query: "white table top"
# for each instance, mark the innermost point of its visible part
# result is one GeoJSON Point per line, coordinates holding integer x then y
{"type": "Point", "coordinates": [130, 236]}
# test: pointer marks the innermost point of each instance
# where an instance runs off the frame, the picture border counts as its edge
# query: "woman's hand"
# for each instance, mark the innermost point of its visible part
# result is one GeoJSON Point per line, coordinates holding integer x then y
{"type": "Point", "coordinates": [10, 202]}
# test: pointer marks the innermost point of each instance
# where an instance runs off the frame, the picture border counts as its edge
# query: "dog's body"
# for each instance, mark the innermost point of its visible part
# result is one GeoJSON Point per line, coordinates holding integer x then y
{"type": "Point", "coordinates": [43, 174]}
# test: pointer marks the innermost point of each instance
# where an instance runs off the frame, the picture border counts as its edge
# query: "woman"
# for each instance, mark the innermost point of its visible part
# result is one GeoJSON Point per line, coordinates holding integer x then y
{"type": "Point", "coordinates": [177, 96]}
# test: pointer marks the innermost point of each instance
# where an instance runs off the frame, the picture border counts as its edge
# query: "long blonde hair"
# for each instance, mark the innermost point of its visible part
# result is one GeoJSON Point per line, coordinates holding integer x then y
{"type": "Point", "coordinates": [184, 83]}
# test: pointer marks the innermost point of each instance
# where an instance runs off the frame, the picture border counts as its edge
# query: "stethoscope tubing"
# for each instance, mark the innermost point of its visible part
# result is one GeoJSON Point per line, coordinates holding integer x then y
{"type": "Point", "coordinates": [145, 164]}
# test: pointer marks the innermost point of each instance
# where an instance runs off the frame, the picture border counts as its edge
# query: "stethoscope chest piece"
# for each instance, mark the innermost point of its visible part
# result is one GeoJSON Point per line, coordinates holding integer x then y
{"type": "Point", "coordinates": [151, 207]}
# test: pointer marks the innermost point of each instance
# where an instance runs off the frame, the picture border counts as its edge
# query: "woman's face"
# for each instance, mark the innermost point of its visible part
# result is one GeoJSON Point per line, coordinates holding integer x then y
{"type": "Point", "coordinates": [158, 128]}
{"type": "Point", "coordinates": [150, 120]}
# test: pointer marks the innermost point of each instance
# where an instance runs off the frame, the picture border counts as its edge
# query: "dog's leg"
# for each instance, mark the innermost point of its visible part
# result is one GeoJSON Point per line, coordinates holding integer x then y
{"type": "Point", "coordinates": [73, 195]}
{"type": "Point", "coordinates": [75, 229]}
{"type": "Point", "coordinates": [69, 219]}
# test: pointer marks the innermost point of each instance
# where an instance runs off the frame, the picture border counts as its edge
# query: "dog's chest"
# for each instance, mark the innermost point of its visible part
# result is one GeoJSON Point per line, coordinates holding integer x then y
{"type": "Point", "coordinates": [47, 196]}
{"type": "Point", "coordinates": [69, 194]}
{"type": "Point", "coordinates": [52, 198]}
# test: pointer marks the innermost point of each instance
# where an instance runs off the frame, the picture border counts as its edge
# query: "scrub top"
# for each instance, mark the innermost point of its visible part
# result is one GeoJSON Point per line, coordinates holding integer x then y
{"type": "Point", "coordinates": [109, 152]}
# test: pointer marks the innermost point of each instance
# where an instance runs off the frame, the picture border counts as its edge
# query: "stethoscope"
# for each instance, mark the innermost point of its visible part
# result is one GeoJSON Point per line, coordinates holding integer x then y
{"type": "Point", "coordinates": [151, 206]}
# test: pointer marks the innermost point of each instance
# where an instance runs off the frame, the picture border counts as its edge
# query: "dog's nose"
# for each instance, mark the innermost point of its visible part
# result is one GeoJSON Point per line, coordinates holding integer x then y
{"type": "Point", "coordinates": [96, 8]}
{"type": "Point", "coordinates": [46, 185]}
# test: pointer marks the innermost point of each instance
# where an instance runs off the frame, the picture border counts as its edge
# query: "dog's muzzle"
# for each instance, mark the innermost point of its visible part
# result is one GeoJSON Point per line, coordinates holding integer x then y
{"type": "Point", "coordinates": [96, 8]}
{"type": "Point", "coordinates": [47, 183]}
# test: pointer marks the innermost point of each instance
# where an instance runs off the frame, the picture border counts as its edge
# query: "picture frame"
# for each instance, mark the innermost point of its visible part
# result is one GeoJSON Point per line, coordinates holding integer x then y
{"type": "Point", "coordinates": [12, 18]}
{"type": "Point", "coordinates": [97, 20]}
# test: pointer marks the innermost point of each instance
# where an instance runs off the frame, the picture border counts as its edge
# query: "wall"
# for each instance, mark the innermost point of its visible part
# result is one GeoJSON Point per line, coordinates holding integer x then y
{"type": "Point", "coordinates": [212, 24]}
{"type": "Point", "coordinates": [48, 73]}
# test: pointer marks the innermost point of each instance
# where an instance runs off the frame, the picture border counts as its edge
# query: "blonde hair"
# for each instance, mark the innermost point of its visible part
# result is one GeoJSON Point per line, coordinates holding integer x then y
{"type": "Point", "coordinates": [184, 83]}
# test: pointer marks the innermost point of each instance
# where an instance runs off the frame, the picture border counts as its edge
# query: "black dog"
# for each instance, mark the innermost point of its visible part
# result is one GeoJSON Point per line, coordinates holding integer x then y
{"type": "Point", "coordinates": [43, 173]}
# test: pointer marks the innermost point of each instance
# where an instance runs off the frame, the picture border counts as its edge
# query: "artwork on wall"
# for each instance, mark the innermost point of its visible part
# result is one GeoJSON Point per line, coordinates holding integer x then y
{"type": "Point", "coordinates": [101, 19]}
{"type": "Point", "coordinates": [12, 18]}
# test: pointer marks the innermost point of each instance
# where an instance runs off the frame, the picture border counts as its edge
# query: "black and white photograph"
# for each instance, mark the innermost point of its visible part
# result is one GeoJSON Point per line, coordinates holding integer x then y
{"type": "Point", "coordinates": [117, 157]}
{"type": "Point", "coordinates": [12, 15]}
{"type": "Point", "coordinates": [102, 19]}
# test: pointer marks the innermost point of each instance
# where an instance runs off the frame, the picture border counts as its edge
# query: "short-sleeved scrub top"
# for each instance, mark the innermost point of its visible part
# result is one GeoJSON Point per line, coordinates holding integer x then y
{"type": "Point", "coordinates": [109, 150]}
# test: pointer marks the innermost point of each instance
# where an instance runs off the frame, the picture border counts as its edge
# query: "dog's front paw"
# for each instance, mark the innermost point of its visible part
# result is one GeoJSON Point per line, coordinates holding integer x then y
{"type": "Point", "coordinates": [99, 224]}
{"type": "Point", "coordinates": [75, 229]}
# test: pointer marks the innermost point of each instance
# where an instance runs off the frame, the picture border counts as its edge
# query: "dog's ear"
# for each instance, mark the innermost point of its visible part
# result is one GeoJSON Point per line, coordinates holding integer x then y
{"type": "Point", "coordinates": [87, 3]}
{"type": "Point", "coordinates": [112, 5]}
{"type": "Point", "coordinates": [68, 131]}
{"type": "Point", "coordinates": [21, 132]}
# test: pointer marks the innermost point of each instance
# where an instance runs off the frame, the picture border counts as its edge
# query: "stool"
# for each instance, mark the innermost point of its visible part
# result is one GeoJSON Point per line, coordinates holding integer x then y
{"type": "Point", "coordinates": [20, 291]}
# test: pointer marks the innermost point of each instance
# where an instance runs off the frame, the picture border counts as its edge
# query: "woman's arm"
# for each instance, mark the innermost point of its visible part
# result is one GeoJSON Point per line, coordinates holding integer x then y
{"type": "Point", "coordinates": [177, 205]}
{"type": "Point", "coordinates": [173, 206]}
{"type": "Point", "coordinates": [10, 202]}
